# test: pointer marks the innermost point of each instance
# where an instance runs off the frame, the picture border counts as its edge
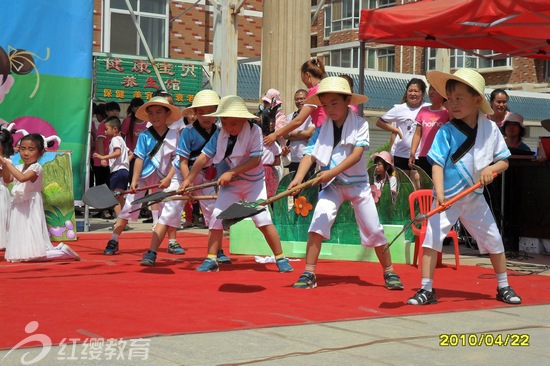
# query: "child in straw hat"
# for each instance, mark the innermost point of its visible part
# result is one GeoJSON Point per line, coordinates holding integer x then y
{"type": "Point", "coordinates": [154, 152]}
{"type": "Point", "coordinates": [339, 148]}
{"type": "Point", "coordinates": [468, 149]}
{"type": "Point", "coordinates": [239, 144]}
{"type": "Point", "coordinates": [192, 140]}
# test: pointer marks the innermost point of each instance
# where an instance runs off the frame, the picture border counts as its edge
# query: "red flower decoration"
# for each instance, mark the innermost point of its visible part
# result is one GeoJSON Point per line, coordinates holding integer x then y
{"type": "Point", "coordinates": [302, 206]}
{"type": "Point", "coordinates": [376, 193]}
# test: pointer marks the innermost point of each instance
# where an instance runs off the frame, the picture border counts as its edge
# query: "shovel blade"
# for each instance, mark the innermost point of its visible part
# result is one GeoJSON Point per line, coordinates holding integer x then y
{"type": "Point", "coordinates": [157, 196]}
{"type": "Point", "coordinates": [100, 197]}
{"type": "Point", "coordinates": [237, 212]}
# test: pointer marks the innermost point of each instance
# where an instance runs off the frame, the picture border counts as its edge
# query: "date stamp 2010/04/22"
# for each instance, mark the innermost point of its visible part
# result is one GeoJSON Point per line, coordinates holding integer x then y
{"type": "Point", "coordinates": [484, 339]}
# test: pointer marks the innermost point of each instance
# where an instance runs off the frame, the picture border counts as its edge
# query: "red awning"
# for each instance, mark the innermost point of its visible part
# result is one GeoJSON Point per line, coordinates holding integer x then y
{"type": "Point", "coordinates": [509, 27]}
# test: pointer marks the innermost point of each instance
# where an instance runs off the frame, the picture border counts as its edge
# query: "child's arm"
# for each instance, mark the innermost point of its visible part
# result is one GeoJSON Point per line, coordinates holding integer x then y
{"type": "Point", "coordinates": [414, 144]}
{"type": "Point", "coordinates": [29, 175]}
{"type": "Point", "coordinates": [165, 182]}
{"type": "Point", "coordinates": [348, 162]}
{"type": "Point", "coordinates": [304, 166]}
{"type": "Point", "coordinates": [300, 135]}
{"type": "Point", "coordinates": [277, 160]}
{"type": "Point", "coordinates": [6, 175]}
{"type": "Point", "coordinates": [115, 154]}
{"type": "Point", "coordinates": [228, 176]}
{"type": "Point", "coordinates": [197, 167]}
{"type": "Point", "coordinates": [438, 179]}
{"type": "Point", "coordinates": [184, 167]}
{"type": "Point", "coordinates": [305, 112]}
{"type": "Point", "coordinates": [486, 175]}
{"type": "Point", "coordinates": [138, 166]}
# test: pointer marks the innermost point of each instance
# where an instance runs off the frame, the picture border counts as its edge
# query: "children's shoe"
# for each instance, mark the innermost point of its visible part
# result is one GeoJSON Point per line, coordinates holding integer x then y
{"type": "Point", "coordinates": [69, 251]}
{"type": "Point", "coordinates": [175, 248]}
{"type": "Point", "coordinates": [284, 265]}
{"type": "Point", "coordinates": [149, 259]}
{"type": "Point", "coordinates": [306, 280]}
{"type": "Point", "coordinates": [209, 265]}
{"type": "Point", "coordinates": [392, 281]}
{"type": "Point", "coordinates": [222, 258]}
{"type": "Point", "coordinates": [112, 247]}
{"type": "Point", "coordinates": [423, 297]}
{"type": "Point", "coordinates": [508, 295]}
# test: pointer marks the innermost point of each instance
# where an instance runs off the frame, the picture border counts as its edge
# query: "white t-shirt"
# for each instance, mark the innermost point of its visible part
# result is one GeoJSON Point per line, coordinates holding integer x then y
{"type": "Point", "coordinates": [120, 162]}
{"type": "Point", "coordinates": [297, 146]}
{"type": "Point", "coordinates": [404, 118]}
{"type": "Point", "coordinates": [270, 153]}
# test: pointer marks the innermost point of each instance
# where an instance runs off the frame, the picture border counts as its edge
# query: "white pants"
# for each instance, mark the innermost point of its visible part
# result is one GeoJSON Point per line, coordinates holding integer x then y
{"type": "Point", "coordinates": [172, 210]}
{"type": "Point", "coordinates": [236, 191]}
{"type": "Point", "coordinates": [475, 215]}
{"type": "Point", "coordinates": [133, 216]}
{"type": "Point", "coordinates": [330, 199]}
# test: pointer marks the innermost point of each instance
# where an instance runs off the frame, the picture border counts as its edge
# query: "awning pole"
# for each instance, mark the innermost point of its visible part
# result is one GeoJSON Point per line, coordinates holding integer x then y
{"type": "Point", "coordinates": [145, 45]}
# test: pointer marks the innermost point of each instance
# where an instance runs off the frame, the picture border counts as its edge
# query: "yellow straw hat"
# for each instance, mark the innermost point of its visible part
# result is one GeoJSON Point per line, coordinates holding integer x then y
{"type": "Point", "coordinates": [335, 84]}
{"type": "Point", "coordinates": [204, 98]}
{"type": "Point", "coordinates": [160, 101]}
{"type": "Point", "coordinates": [470, 77]}
{"type": "Point", "coordinates": [232, 106]}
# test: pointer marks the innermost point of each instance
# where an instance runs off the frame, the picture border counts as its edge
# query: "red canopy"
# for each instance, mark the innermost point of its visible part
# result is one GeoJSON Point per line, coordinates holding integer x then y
{"type": "Point", "coordinates": [509, 27]}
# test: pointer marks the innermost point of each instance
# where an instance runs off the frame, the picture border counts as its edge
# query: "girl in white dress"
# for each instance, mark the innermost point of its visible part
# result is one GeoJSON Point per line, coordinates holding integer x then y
{"type": "Point", "coordinates": [6, 150]}
{"type": "Point", "coordinates": [28, 238]}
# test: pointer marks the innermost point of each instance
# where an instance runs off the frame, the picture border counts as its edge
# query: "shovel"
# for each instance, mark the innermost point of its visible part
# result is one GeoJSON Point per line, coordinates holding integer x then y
{"type": "Point", "coordinates": [101, 197]}
{"type": "Point", "coordinates": [438, 209]}
{"type": "Point", "coordinates": [241, 210]}
{"type": "Point", "coordinates": [161, 195]}
{"type": "Point", "coordinates": [178, 198]}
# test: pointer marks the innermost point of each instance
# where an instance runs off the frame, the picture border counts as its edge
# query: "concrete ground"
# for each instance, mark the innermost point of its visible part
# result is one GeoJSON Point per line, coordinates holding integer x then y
{"type": "Point", "coordinates": [513, 335]}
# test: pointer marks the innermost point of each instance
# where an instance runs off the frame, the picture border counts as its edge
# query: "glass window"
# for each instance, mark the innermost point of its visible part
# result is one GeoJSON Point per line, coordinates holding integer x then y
{"type": "Point", "coordinates": [459, 58]}
{"type": "Point", "coordinates": [346, 14]}
{"type": "Point", "coordinates": [386, 59]}
{"type": "Point", "coordinates": [152, 16]}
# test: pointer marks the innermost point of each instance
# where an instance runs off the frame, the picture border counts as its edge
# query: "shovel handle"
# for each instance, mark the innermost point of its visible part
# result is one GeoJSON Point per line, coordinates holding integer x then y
{"type": "Point", "coordinates": [459, 196]}
{"type": "Point", "coordinates": [118, 193]}
{"type": "Point", "coordinates": [288, 192]}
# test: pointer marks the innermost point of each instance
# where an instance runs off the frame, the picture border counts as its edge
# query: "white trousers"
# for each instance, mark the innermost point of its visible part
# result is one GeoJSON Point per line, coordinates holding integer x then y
{"type": "Point", "coordinates": [133, 216]}
{"type": "Point", "coordinates": [330, 199]}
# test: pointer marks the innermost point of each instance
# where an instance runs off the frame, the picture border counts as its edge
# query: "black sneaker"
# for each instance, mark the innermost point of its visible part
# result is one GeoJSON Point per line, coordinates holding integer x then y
{"type": "Point", "coordinates": [508, 295]}
{"type": "Point", "coordinates": [423, 297]}
{"type": "Point", "coordinates": [111, 248]}
{"type": "Point", "coordinates": [149, 259]}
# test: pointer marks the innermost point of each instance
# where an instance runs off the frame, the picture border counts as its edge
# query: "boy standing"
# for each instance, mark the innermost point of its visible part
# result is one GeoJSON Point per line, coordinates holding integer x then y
{"type": "Point", "coordinates": [339, 148]}
{"type": "Point", "coordinates": [239, 144]}
{"type": "Point", "coordinates": [119, 165]}
{"type": "Point", "coordinates": [461, 155]}
{"type": "Point", "coordinates": [154, 152]}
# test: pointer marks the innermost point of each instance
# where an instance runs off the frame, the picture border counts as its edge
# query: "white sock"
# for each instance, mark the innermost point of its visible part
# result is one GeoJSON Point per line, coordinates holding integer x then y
{"type": "Point", "coordinates": [171, 241]}
{"type": "Point", "coordinates": [114, 236]}
{"type": "Point", "coordinates": [427, 284]}
{"type": "Point", "coordinates": [502, 279]}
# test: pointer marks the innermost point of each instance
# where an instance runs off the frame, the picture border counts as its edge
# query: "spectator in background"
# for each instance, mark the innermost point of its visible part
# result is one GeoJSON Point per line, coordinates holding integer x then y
{"type": "Point", "coordinates": [131, 128]}
{"type": "Point", "coordinates": [297, 139]}
{"type": "Point", "coordinates": [353, 107]}
{"type": "Point", "coordinates": [514, 130]}
{"type": "Point", "coordinates": [499, 103]}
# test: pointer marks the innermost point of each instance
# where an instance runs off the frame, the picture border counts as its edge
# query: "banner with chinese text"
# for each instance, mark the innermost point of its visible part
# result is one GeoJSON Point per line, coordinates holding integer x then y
{"type": "Point", "coordinates": [46, 74]}
{"type": "Point", "coordinates": [120, 78]}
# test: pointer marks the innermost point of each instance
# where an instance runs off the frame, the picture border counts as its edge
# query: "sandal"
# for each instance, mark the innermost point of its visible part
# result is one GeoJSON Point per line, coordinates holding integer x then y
{"type": "Point", "coordinates": [508, 295]}
{"type": "Point", "coordinates": [423, 297]}
{"type": "Point", "coordinates": [392, 281]}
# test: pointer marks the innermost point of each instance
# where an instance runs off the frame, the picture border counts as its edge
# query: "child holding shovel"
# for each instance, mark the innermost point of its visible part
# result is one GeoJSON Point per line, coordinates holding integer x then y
{"type": "Point", "coordinates": [461, 155]}
{"type": "Point", "coordinates": [154, 152]}
{"type": "Point", "coordinates": [239, 144]}
{"type": "Point", "coordinates": [339, 148]}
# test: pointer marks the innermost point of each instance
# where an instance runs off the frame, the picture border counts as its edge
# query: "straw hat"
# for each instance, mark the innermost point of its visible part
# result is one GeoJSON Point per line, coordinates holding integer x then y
{"type": "Point", "coordinates": [204, 98]}
{"type": "Point", "coordinates": [546, 124]}
{"type": "Point", "coordinates": [335, 84]}
{"type": "Point", "coordinates": [161, 101]}
{"type": "Point", "coordinates": [232, 106]}
{"type": "Point", "coordinates": [384, 155]}
{"type": "Point", "coordinates": [472, 78]}
{"type": "Point", "coordinates": [272, 94]}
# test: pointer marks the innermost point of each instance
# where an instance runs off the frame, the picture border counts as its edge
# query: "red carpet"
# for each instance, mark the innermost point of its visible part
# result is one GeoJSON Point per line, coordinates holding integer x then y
{"type": "Point", "coordinates": [114, 297]}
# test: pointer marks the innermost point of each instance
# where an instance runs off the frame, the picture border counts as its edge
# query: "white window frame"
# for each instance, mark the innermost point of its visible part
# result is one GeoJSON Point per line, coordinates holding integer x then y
{"type": "Point", "coordinates": [464, 57]}
{"type": "Point", "coordinates": [108, 11]}
{"type": "Point", "coordinates": [376, 56]}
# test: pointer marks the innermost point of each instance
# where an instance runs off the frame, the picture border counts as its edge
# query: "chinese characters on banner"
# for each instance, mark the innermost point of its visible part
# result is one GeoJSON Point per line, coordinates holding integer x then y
{"type": "Point", "coordinates": [123, 78]}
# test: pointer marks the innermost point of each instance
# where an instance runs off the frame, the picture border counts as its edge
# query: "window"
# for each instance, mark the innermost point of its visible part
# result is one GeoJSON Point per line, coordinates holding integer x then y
{"type": "Point", "coordinates": [381, 59]}
{"type": "Point", "coordinates": [346, 57]}
{"type": "Point", "coordinates": [461, 58]}
{"type": "Point", "coordinates": [375, 4]}
{"type": "Point", "coordinates": [328, 18]}
{"type": "Point", "coordinates": [121, 35]}
{"type": "Point", "coordinates": [345, 14]}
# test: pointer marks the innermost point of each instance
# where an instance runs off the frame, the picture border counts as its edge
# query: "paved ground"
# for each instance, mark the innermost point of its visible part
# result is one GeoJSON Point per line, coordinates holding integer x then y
{"type": "Point", "coordinates": [473, 337]}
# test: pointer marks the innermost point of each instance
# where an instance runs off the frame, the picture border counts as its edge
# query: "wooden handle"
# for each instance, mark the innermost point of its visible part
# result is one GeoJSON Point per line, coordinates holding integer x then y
{"type": "Point", "coordinates": [459, 196]}
{"type": "Point", "coordinates": [137, 189]}
{"type": "Point", "coordinates": [288, 192]}
{"type": "Point", "coordinates": [193, 198]}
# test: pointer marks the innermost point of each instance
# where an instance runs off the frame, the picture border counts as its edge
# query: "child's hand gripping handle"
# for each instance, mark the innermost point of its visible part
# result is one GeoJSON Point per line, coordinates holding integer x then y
{"type": "Point", "coordinates": [290, 191]}
{"type": "Point", "coordinates": [450, 202]}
